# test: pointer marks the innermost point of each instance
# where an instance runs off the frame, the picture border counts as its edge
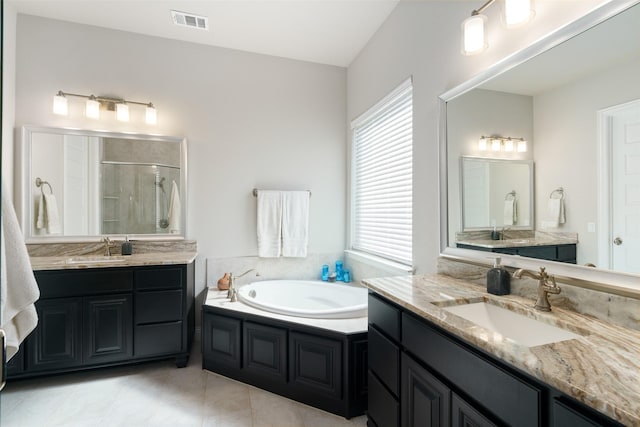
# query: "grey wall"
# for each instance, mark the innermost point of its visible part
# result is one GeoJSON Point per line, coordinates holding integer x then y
{"type": "Point", "coordinates": [422, 39]}
{"type": "Point", "coordinates": [250, 120]}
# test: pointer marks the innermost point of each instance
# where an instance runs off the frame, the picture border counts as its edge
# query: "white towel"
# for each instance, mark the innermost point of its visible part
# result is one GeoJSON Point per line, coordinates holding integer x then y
{"type": "Point", "coordinates": [175, 209]}
{"type": "Point", "coordinates": [269, 223]}
{"type": "Point", "coordinates": [510, 214]}
{"type": "Point", "coordinates": [295, 223]}
{"type": "Point", "coordinates": [19, 287]}
{"type": "Point", "coordinates": [48, 215]}
{"type": "Point", "coordinates": [555, 213]}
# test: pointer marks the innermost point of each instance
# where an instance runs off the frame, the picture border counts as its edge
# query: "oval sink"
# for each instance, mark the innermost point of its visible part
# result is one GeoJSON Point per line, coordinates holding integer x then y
{"type": "Point", "coordinates": [94, 260]}
{"type": "Point", "coordinates": [521, 329]}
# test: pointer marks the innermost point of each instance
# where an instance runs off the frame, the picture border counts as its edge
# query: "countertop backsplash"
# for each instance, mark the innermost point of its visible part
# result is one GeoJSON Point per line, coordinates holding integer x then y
{"type": "Point", "coordinates": [98, 248]}
{"type": "Point", "coordinates": [619, 310]}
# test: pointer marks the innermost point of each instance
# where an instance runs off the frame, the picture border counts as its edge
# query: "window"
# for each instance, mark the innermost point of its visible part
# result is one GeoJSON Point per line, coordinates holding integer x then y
{"type": "Point", "coordinates": [381, 198]}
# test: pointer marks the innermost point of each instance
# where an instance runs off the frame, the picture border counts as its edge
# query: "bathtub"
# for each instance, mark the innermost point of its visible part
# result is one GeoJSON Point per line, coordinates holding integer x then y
{"type": "Point", "coordinates": [306, 298]}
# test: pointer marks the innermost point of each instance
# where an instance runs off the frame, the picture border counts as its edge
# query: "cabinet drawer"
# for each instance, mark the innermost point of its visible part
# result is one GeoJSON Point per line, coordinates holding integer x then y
{"type": "Point", "coordinates": [159, 278]}
{"type": "Point", "coordinates": [383, 407]}
{"type": "Point", "coordinates": [385, 317]}
{"type": "Point", "coordinates": [57, 284]}
{"type": "Point", "coordinates": [158, 306]}
{"type": "Point", "coordinates": [511, 399]}
{"type": "Point", "coordinates": [384, 359]}
{"type": "Point", "coordinates": [153, 340]}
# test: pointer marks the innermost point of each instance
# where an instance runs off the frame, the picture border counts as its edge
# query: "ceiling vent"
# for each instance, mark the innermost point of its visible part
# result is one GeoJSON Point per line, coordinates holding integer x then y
{"type": "Point", "coordinates": [183, 19]}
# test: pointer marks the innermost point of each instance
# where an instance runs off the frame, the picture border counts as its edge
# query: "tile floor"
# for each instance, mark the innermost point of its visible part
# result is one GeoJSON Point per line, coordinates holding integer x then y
{"type": "Point", "coordinates": [154, 394]}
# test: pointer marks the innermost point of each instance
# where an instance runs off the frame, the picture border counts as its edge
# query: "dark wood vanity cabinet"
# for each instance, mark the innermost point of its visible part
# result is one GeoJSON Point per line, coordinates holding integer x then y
{"type": "Point", "coordinates": [421, 375]}
{"type": "Point", "coordinates": [321, 368]}
{"type": "Point", "coordinates": [561, 253]}
{"type": "Point", "coordinates": [108, 316]}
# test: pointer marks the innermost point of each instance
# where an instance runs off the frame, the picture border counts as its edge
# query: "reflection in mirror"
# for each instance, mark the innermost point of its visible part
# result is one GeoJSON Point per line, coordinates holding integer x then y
{"type": "Point", "coordinates": [496, 193]}
{"type": "Point", "coordinates": [101, 183]}
{"type": "Point", "coordinates": [564, 101]}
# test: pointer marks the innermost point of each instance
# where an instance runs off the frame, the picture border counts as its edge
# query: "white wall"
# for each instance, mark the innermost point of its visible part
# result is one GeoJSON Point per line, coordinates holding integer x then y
{"type": "Point", "coordinates": [250, 120]}
{"type": "Point", "coordinates": [8, 50]}
{"type": "Point", "coordinates": [423, 39]}
{"type": "Point", "coordinates": [566, 135]}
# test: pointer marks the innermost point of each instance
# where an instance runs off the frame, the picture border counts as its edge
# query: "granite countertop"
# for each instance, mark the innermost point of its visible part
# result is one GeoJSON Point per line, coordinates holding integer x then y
{"type": "Point", "coordinates": [517, 243]}
{"type": "Point", "coordinates": [92, 261]}
{"type": "Point", "coordinates": [600, 369]}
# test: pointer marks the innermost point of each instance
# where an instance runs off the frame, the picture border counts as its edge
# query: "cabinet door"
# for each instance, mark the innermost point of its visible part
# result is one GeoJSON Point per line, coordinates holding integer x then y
{"type": "Point", "coordinates": [465, 415]}
{"type": "Point", "coordinates": [220, 341]}
{"type": "Point", "coordinates": [56, 343]}
{"type": "Point", "coordinates": [316, 364]}
{"type": "Point", "coordinates": [108, 327]}
{"type": "Point", "coordinates": [425, 400]}
{"type": "Point", "coordinates": [265, 351]}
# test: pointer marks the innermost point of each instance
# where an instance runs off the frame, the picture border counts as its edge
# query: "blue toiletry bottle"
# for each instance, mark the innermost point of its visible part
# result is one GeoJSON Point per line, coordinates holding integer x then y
{"type": "Point", "coordinates": [325, 272]}
{"type": "Point", "coordinates": [339, 270]}
{"type": "Point", "coordinates": [346, 276]}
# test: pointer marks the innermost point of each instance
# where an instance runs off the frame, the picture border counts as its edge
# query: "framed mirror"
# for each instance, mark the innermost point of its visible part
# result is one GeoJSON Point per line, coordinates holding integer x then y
{"type": "Point", "coordinates": [567, 90]}
{"type": "Point", "coordinates": [80, 184]}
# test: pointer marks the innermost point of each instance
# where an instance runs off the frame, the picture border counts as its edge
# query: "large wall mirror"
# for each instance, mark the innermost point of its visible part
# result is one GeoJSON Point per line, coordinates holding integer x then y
{"type": "Point", "coordinates": [80, 184]}
{"type": "Point", "coordinates": [574, 96]}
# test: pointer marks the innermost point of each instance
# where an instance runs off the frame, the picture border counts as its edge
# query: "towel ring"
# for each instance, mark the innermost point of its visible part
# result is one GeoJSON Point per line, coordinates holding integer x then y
{"type": "Point", "coordinates": [558, 191]}
{"type": "Point", "coordinates": [40, 183]}
{"type": "Point", "coordinates": [255, 192]}
{"type": "Point", "coordinates": [510, 195]}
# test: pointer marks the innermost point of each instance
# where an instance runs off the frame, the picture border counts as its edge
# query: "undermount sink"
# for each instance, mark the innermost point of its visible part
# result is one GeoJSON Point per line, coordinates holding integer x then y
{"type": "Point", "coordinates": [521, 329]}
{"type": "Point", "coordinates": [94, 260]}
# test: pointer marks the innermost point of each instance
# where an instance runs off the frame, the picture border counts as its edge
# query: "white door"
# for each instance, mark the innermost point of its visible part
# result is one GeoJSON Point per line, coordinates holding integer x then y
{"type": "Point", "coordinates": [625, 188]}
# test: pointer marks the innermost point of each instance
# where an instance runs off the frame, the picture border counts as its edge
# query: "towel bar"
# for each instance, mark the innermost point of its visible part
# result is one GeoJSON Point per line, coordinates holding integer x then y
{"type": "Point", "coordinates": [255, 192]}
{"type": "Point", "coordinates": [559, 191]}
{"type": "Point", "coordinates": [510, 195]}
{"type": "Point", "coordinates": [40, 183]}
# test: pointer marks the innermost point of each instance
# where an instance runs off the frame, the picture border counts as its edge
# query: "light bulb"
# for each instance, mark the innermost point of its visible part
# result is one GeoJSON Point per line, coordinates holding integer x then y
{"type": "Point", "coordinates": [122, 112]}
{"type": "Point", "coordinates": [151, 116]}
{"type": "Point", "coordinates": [517, 13]}
{"type": "Point", "coordinates": [60, 105]}
{"type": "Point", "coordinates": [522, 146]}
{"type": "Point", "coordinates": [92, 108]}
{"type": "Point", "coordinates": [508, 145]}
{"type": "Point", "coordinates": [482, 144]}
{"type": "Point", "coordinates": [496, 144]}
{"type": "Point", "coordinates": [474, 38]}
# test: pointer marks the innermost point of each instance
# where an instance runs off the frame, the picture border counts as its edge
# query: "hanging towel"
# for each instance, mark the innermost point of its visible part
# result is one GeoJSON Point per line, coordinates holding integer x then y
{"type": "Point", "coordinates": [269, 224]}
{"type": "Point", "coordinates": [18, 285]}
{"type": "Point", "coordinates": [295, 223]}
{"type": "Point", "coordinates": [175, 209]}
{"type": "Point", "coordinates": [555, 213]}
{"type": "Point", "coordinates": [48, 217]}
{"type": "Point", "coordinates": [510, 213]}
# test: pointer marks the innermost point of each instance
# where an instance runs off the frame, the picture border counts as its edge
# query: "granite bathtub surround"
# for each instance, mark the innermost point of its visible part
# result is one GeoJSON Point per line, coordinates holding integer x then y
{"type": "Point", "coordinates": [620, 310]}
{"type": "Point", "coordinates": [600, 369]}
{"type": "Point", "coordinates": [98, 248]}
{"type": "Point", "coordinates": [516, 238]}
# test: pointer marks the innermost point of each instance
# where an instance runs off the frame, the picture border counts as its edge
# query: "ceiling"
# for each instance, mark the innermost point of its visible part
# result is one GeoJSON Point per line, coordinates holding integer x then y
{"type": "Point", "coordinates": [323, 31]}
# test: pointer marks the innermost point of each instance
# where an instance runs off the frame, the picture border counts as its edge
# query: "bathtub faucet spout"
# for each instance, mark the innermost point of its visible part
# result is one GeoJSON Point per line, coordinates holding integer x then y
{"type": "Point", "coordinates": [232, 294]}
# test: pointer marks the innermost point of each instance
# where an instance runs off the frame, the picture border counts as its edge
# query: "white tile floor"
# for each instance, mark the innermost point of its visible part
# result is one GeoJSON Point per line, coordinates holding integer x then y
{"type": "Point", "coordinates": [154, 394]}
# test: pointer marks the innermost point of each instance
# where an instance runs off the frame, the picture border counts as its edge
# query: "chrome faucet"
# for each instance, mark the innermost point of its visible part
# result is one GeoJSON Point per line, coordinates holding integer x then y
{"type": "Point", "coordinates": [544, 288]}
{"type": "Point", "coordinates": [232, 293]}
{"type": "Point", "coordinates": [503, 231]}
{"type": "Point", "coordinates": [107, 246]}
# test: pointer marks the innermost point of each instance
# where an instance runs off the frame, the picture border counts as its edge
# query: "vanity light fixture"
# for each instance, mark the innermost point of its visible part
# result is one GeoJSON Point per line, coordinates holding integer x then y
{"type": "Point", "coordinates": [515, 13]}
{"type": "Point", "coordinates": [500, 143]}
{"type": "Point", "coordinates": [94, 103]}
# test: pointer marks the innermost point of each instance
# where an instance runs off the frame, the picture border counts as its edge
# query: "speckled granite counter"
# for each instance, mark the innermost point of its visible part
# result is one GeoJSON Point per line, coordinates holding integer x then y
{"type": "Point", "coordinates": [517, 243]}
{"type": "Point", "coordinates": [600, 369]}
{"type": "Point", "coordinates": [80, 262]}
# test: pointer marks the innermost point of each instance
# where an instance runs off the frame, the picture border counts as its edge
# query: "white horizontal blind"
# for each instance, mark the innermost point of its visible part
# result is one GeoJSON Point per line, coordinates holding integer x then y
{"type": "Point", "coordinates": [382, 178]}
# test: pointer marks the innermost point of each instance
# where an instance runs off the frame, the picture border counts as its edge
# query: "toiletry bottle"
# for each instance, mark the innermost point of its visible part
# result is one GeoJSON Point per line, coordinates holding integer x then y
{"type": "Point", "coordinates": [498, 279]}
{"type": "Point", "coordinates": [325, 272]}
{"type": "Point", "coordinates": [339, 270]}
{"type": "Point", "coordinates": [346, 276]}
{"type": "Point", "coordinates": [494, 234]}
{"type": "Point", "coordinates": [127, 248]}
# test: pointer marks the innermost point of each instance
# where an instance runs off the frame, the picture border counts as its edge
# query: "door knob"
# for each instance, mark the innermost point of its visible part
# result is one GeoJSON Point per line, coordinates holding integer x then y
{"type": "Point", "coordinates": [617, 241]}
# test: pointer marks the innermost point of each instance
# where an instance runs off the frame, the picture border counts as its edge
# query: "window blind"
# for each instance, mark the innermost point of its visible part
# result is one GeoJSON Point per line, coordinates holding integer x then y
{"type": "Point", "coordinates": [382, 173]}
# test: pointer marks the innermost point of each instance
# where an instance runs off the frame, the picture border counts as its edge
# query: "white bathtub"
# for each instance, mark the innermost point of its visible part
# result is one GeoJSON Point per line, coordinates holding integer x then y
{"type": "Point", "coordinates": [306, 298]}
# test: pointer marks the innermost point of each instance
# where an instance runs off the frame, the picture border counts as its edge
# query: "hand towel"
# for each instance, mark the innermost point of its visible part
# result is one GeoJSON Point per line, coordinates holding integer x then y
{"type": "Point", "coordinates": [269, 223]}
{"type": "Point", "coordinates": [510, 214]}
{"type": "Point", "coordinates": [175, 209]}
{"type": "Point", "coordinates": [295, 223]}
{"type": "Point", "coordinates": [19, 290]}
{"type": "Point", "coordinates": [555, 213]}
{"type": "Point", "coordinates": [48, 218]}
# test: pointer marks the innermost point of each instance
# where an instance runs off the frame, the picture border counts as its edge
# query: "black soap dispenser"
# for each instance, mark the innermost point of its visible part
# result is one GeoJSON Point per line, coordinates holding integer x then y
{"type": "Point", "coordinates": [127, 247]}
{"type": "Point", "coordinates": [498, 279]}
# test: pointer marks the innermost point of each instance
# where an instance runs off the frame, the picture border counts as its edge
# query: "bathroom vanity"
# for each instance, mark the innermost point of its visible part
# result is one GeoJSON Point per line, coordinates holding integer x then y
{"type": "Point", "coordinates": [428, 366]}
{"type": "Point", "coordinates": [533, 249]}
{"type": "Point", "coordinates": [98, 311]}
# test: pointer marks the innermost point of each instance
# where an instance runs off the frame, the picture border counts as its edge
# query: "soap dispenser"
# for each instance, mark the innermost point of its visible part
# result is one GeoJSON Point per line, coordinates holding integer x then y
{"type": "Point", "coordinates": [498, 279]}
{"type": "Point", "coordinates": [127, 248]}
